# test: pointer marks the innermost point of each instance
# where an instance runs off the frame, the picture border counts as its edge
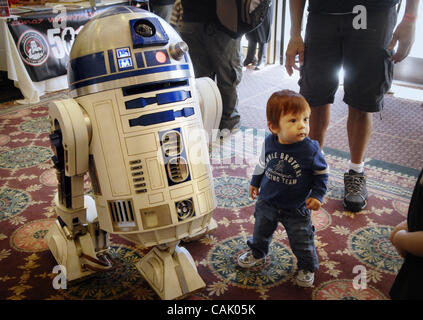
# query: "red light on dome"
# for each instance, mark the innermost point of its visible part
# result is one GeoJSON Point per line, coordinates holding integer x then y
{"type": "Point", "coordinates": [161, 57]}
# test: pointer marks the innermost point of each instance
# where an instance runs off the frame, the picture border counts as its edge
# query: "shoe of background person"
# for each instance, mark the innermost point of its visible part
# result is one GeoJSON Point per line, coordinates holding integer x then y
{"type": "Point", "coordinates": [224, 133]}
{"type": "Point", "coordinates": [259, 66]}
{"type": "Point", "coordinates": [250, 62]}
{"type": "Point", "coordinates": [305, 278]}
{"type": "Point", "coordinates": [355, 191]}
{"type": "Point", "coordinates": [236, 127]}
{"type": "Point", "coordinates": [247, 260]}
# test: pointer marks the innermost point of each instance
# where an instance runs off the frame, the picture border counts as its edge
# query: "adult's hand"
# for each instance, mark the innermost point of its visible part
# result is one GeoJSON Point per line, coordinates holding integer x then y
{"type": "Point", "coordinates": [295, 47]}
{"type": "Point", "coordinates": [404, 36]}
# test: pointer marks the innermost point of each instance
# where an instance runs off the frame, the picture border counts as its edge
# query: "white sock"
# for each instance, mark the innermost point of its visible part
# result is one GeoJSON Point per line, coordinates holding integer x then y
{"type": "Point", "coordinates": [356, 167]}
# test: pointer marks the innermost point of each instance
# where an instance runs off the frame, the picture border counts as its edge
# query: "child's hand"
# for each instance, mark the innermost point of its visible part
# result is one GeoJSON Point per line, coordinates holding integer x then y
{"type": "Point", "coordinates": [313, 204]}
{"type": "Point", "coordinates": [254, 192]}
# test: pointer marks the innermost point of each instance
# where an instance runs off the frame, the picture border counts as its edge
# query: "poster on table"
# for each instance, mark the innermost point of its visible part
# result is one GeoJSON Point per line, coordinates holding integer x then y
{"type": "Point", "coordinates": [44, 39]}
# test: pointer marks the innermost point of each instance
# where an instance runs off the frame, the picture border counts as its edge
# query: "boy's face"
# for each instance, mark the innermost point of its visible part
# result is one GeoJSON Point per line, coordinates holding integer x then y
{"type": "Point", "coordinates": [292, 128]}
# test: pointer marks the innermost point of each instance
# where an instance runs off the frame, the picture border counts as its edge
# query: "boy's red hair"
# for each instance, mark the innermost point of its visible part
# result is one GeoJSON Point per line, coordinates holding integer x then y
{"type": "Point", "coordinates": [285, 102]}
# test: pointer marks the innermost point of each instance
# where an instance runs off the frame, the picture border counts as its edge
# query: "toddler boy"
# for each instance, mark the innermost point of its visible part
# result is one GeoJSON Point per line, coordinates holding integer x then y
{"type": "Point", "coordinates": [290, 180]}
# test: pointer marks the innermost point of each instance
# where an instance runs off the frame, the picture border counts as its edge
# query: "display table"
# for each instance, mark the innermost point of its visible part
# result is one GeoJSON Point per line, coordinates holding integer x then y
{"type": "Point", "coordinates": [16, 71]}
{"type": "Point", "coordinates": [43, 69]}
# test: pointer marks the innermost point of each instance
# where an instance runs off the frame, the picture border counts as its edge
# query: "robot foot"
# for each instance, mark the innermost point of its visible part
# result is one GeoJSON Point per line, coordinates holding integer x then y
{"type": "Point", "coordinates": [77, 256]}
{"type": "Point", "coordinates": [171, 272]}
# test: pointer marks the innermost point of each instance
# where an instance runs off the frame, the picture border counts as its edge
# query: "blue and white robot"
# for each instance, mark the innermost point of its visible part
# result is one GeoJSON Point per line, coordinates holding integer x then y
{"type": "Point", "coordinates": [136, 123]}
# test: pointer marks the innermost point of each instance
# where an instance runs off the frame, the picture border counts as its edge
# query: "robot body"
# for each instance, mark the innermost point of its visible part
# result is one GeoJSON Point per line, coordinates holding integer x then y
{"type": "Point", "coordinates": [135, 124]}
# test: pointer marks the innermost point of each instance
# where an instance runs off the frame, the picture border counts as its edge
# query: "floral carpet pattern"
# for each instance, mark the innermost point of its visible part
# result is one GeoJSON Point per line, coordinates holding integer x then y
{"type": "Point", "coordinates": [345, 241]}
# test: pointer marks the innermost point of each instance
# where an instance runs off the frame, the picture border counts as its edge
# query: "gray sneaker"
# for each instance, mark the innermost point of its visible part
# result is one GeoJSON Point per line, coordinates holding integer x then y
{"type": "Point", "coordinates": [247, 260]}
{"type": "Point", "coordinates": [355, 191]}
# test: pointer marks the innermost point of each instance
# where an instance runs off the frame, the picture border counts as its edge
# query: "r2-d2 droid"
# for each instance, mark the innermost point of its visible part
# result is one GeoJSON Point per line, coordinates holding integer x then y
{"type": "Point", "coordinates": [134, 122]}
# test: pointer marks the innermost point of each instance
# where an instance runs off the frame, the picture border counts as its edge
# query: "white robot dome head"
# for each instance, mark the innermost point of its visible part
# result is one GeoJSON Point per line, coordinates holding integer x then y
{"type": "Point", "coordinates": [119, 45]}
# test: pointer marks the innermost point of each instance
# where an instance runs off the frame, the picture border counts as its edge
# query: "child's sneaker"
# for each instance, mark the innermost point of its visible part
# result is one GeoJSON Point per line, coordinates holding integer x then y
{"type": "Point", "coordinates": [305, 278]}
{"type": "Point", "coordinates": [247, 260]}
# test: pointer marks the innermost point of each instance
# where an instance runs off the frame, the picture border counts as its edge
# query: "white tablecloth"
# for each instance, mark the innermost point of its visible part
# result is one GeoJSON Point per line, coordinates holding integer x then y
{"type": "Point", "coordinates": [11, 62]}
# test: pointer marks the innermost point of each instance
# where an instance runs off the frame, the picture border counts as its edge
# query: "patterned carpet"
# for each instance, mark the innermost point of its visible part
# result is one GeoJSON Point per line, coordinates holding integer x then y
{"type": "Point", "coordinates": [344, 240]}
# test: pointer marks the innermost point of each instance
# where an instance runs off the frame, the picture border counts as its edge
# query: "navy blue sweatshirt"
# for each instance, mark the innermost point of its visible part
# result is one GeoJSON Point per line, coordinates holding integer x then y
{"type": "Point", "coordinates": [287, 174]}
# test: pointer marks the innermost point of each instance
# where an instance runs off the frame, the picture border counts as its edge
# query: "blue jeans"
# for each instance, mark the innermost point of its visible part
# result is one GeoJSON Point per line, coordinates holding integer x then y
{"type": "Point", "coordinates": [298, 226]}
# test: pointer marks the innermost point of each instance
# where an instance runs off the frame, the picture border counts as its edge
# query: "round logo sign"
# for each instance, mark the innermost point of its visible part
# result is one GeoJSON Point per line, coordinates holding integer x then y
{"type": "Point", "coordinates": [33, 48]}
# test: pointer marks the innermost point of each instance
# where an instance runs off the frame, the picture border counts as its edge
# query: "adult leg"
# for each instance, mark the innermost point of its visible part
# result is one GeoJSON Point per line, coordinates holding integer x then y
{"type": "Point", "coordinates": [319, 74]}
{"type": "Point", "coordinates": [193, 34]}
{"type": "Point", "coordinates": [251, 52]}
{"type": "Point", "coordinates": [368, 75]}
{"type": "Point", "coordinates": [319, 123]}
{"type": "Point", "coordinates": [225, 56]}
{"type": "Point", "coordinates": [359, 128]}
{"type": "Point", "coordinates": [163, 11]}
{"type": "Point", "coordinates": [261, 55]}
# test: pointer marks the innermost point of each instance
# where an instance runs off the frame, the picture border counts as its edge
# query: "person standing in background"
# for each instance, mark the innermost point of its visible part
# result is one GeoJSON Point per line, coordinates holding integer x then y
{"type": "Point", "coordinates": [163, 8]}
{"type": "Point", "coordinates": [260, 36]}
{"type": "Point", "coordinates": [358, 36]}
{"type": "Point", "coordinates": [177, 13]}
{"type": "Point", "coordinates": [214, 54]}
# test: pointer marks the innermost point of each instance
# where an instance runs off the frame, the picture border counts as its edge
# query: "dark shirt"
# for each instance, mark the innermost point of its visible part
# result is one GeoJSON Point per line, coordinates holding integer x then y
{"type": "Point", "coordinates": [346, 6]}
{"type": "Point", "coordinates": [198, 10]}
